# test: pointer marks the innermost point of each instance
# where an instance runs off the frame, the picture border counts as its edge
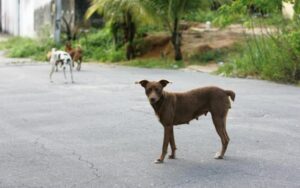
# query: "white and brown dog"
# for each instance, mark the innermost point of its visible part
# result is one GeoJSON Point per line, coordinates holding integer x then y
{"type": "Point", "coordinates": [63, 59]}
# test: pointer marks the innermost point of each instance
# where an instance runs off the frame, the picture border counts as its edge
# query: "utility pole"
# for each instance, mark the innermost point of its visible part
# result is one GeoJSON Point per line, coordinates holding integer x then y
{"type": "Point", "coordinates": [19, 18]}
{"type": "Point", "coordinates": [57, 25]}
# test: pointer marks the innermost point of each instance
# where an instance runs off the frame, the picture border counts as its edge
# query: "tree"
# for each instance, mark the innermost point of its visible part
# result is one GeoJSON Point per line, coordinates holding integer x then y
{"type": "Point", "coordinates": [122, 14]}
{"type": "Point", "coordinates": [240, 9]}
{"type": "Point", "coordinates": [297, 8]}
{"type": "Point", "coordinates": [170, 13]}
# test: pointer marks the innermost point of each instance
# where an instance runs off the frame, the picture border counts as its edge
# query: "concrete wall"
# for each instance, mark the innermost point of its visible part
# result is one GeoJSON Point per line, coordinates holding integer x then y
{"type": "Point", "coordinates": [17, 16]}
{"type": "Point", "coordinates": [33, 17]}
{"type": "Point", "coordinates": [8, 20]}
{"type": "Point", "coordinates": [288, 10]}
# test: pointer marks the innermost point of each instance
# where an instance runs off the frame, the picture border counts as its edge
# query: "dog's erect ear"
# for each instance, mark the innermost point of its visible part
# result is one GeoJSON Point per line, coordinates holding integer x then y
{"type": "Point", "coordinates": [143, 83]}
{"type": "Point", "coordinates": [164, 82]}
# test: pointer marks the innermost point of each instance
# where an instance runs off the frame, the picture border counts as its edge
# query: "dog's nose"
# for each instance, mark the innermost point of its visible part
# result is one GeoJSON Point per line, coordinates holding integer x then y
{"type": "Point", "coordinates": [152, 100]}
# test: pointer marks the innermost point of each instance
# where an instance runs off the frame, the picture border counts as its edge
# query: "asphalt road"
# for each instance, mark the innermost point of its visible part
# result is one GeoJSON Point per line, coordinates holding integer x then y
{"type": "Point", "coordinates": [101, 131]}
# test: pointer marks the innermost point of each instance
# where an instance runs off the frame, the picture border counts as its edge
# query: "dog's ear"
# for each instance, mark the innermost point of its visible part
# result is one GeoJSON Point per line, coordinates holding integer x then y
{"type": "Point", "coordinates": [143, 83]}
{"type": "Point", "coordinates": [164, 83]}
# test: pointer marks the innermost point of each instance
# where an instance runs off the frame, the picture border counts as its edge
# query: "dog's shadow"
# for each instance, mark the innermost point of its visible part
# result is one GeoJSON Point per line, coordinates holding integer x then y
{"type": "Point", "coordinates": [211, 169]}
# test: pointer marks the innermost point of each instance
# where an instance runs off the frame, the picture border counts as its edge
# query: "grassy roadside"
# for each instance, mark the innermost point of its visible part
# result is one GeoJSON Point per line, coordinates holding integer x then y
{"type": "Point", "coordinates": [273, 57]}
{"type": "Point", "coordinates": [20, 47]}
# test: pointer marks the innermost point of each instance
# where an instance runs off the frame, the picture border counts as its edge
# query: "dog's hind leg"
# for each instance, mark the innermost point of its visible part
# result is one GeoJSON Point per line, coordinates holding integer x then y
{"type": "Point", "coordinates": [78, 65]}
{"type": "Point", "coordinates": [173, 145]}
{"type": "Point", "coordinates": [71, 72]}
{"type": "Point", "coordinates": [220, 125]}
{"type": "Point", "coordinates": [65, 76]}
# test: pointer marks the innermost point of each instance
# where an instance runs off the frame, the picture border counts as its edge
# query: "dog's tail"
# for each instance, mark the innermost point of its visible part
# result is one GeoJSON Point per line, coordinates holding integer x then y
{"type": "Point", "coordinates": [231, 94]}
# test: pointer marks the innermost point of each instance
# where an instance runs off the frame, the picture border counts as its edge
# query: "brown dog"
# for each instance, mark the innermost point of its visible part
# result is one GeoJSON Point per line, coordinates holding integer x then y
{"type": "Point", "coordinates": [180, 108]}
{"type": "Point", "coordinates": [75, 53]}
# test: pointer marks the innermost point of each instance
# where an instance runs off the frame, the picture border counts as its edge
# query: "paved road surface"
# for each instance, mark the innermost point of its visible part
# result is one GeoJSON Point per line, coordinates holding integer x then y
{"type": "Point", "coordinates": [101, 132]}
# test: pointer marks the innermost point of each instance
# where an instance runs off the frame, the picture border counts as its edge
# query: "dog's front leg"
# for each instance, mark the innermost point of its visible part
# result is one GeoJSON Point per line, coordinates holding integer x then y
{"type": "Point", "coordinates": [51, 72]}
{"type": "Point", "coordinates": [167, 136]}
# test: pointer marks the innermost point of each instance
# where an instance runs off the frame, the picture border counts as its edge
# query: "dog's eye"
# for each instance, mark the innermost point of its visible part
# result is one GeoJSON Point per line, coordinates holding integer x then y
{"type": "Point", "coordinates": [149, 90]}
{"type": "Point", "coordinates": [156, 90]}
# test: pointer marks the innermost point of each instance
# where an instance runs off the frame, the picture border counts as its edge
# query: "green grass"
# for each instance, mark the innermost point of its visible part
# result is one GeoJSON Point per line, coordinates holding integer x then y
{"type": "Point", "coordinates": [200, 16]}
{"type": "Point", "coordinates": [155, 63]}
{"type": "Point", "coordinates": [269, 58]}
{"type": "Point", "coordinates": [98, 46]}
{"type": "Point", "coordinates": [215, 55]}
{"type": "Point", "coordinates": [27, 47]}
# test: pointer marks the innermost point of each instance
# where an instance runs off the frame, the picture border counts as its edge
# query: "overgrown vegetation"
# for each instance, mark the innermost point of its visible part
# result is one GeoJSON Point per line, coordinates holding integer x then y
{"type": "Point", "coordinates": [27, 47]}
{"type": "Point", "coordinates": [215, 56]}
{"type": "Point", "coordinates": [99, 46]}
{"type": "Point", "coordinates": [270, 58]}
{"type": "Point", "coordinates": [273, 56]}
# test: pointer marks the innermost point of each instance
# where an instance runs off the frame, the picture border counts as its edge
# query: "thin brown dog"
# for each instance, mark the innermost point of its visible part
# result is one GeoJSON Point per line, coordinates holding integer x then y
{"type": "Point", "coordinates": [75, 53]}
{"type": "Point", "coordinates": [180, 108]}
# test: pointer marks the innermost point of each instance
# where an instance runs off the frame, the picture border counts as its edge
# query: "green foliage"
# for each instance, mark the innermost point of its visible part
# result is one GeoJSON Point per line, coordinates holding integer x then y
{"type": "Point", "coordinates": [242, 10]}
{"type": "Point", "coordinates": [99, 46]}
{"type": "Point", "coordinates": [156, 63]}
{"type": "Point", "coordinates": [166, 11]}
{"type": "Point", "coordinates": [200, 15]}
{"type": "Point", "coordinates": [26, 47]}
{"type": "Point", "coordinates": [150, 28]}
{"type": "Point", "coordinates": [209, 56]}
{"type": "Point", "coordinates": [116, 10]}
{"type": "Point", "coordinates": [267, 57]}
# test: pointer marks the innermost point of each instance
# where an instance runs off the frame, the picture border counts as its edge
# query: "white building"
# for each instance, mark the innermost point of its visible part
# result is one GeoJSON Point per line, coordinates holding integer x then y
{"type": "Point", "coordinates": [20, 17]}
{"type": "Point", "coordinates": [288, 10]}
{"type": "Point", "coordinates": [29, 17]}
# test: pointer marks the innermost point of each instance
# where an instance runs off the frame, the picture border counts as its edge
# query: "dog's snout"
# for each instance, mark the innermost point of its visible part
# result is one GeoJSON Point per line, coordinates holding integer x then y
{"type": "Point", "coordinates": [152, 100]}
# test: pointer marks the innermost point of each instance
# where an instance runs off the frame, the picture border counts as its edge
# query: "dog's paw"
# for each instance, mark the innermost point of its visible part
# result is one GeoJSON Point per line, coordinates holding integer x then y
{"type": "Point", "coordinates": [218, 156]}
{"type": "Point", "coordinates": [172, 157]}
{"type": "Point", "coordinates": [158, 161]}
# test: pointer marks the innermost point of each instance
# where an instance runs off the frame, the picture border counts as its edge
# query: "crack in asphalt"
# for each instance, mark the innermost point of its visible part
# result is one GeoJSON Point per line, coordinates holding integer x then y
{"type": "Point", "coordinates": [89, 163]}
{"type": "Point", "coordinates": [91, 166]}
{"type": "Point", "coordinates": [79, 157]}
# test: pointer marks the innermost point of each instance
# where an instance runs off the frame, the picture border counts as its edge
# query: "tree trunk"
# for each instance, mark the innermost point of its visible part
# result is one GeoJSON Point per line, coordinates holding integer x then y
{"type": "Point", "coordinates": [297, 9]}
{"type": "Point", "coordinates": [130, 34]}
{"type": "Point", "coordinates": [115, 30]}
{"type": "Point", "coordinates": [176, 41]}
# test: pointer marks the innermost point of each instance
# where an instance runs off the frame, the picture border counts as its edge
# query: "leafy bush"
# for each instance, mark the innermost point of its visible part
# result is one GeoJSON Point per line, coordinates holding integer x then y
{"type": "Point", "coordinates": [267, 57]}
{"type": "Point", "coordinates": [241, 11]}
{"type": "Point", "coordinates": [27, 47]}
{"type": "Point", "coordinates": [206, 57]}
{"type": "Point", "coordinates": [98, 46]}
{"type": "Point", "coordinates": [200, 15]}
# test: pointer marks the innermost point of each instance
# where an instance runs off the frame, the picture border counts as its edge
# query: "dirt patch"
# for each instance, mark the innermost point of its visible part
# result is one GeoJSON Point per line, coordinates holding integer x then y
{"type": "Point", "coordinates": [208, 68]}
{"type": "Point", "coordinates": [153, 46]}
{"type": "Point", "coordinates": [197, 38]}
